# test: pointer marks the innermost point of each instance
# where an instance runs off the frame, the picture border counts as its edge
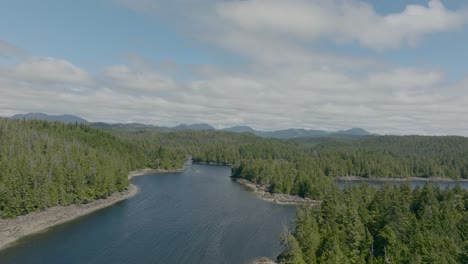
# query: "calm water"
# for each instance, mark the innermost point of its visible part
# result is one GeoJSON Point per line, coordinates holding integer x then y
{"type": "Point", "coordinates": [343, 183]}
{"type": "Point", "coordinates": [198, 216]}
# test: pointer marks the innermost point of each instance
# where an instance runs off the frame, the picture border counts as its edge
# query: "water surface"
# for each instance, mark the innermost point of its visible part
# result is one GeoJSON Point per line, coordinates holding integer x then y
{"type": "Point", "coordinates": [198, 216]}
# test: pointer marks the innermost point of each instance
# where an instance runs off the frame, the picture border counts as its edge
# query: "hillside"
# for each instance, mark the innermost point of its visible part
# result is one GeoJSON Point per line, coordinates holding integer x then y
{"type": "Point", "coordinates": [46, 117]}
{"type": "Point", "coordinates": [44, 164]}
{"type": "Point", "coordinates": [279, 134]}
{"type": "Point", "coordinates": [193, 127]}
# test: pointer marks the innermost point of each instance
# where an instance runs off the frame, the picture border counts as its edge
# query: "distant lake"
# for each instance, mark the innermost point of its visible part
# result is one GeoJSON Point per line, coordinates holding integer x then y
{"type": "Point", "coordinates": [413, 183]}
{"type": "Point", "coordinates": [197, 216]}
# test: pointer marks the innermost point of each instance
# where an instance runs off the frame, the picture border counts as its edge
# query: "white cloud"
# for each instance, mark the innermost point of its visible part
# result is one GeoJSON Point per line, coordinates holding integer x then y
{"type": "Point", "coordinates": [312, 98]}
{"type": "Point", "coordinates": [50, 70]}
{"type": "Point", "coordinates": [340, 20]}
{"type": "Point", "coordinates": [406, 79]}
{"type": "Point", "coordinates": [286, 82]}
{"type": "Point", "coordinates": [137, 80]}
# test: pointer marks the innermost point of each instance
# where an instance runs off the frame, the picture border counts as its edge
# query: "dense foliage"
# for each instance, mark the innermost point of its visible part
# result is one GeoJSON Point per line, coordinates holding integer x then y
{"type": "Point", "coordinates": [370, 157]}
{"type": "Point", "coordinates": [393, 156]}
{"type": "Point", "coordinates": [301, 177]}
{"type": "Point", "coordinates": [43, 164]}
{"type": "Point", "coordinates": [216, 146]}
{"type": "Point", "coordinates": [390, 225]}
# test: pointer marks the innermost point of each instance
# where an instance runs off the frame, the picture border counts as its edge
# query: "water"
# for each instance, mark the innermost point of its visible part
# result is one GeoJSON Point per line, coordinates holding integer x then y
{"type": "Point", "coordinates": [413, 183]}
{"type": "Point", "coordinates": [198, 216]}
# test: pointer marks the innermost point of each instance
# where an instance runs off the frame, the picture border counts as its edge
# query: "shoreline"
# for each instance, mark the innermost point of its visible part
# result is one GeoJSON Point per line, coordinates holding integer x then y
{"type": "Point", "coordinates": [358, 178]}
{"type": "Point", "coordinates": [212, 163]}
{"type": "Point", "coordinates": [146, 171]}
{"type": "Point", "coordinates": [277, 198]}
{"type": "Point", "coordinates": [263, 260]}
{"type": "Point", "coordinates": [11, 230]}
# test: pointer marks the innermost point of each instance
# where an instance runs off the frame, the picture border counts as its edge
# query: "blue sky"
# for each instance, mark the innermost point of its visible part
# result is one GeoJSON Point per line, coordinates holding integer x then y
{"type": "Point", "coordinates": [388, 66]}
{"type": "Point", "coordinates": [94, 33]}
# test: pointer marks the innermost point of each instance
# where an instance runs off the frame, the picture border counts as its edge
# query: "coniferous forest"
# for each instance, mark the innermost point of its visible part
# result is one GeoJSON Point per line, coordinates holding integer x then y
{"type": "Point", "coordinates": [388, 225]}
{"type": "Point", "coordinates": [44, 164]}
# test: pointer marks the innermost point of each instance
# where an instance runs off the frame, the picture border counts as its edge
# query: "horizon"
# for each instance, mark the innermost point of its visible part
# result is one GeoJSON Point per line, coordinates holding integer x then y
{"type": "Point", "coordinates": [388, 67]}
{"type": "Point", "coordinates": [371, 133]}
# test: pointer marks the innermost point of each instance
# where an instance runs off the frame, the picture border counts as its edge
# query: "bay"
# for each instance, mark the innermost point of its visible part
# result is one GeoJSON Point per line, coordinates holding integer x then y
{"type": "Point", "coordinates": [197, 216]}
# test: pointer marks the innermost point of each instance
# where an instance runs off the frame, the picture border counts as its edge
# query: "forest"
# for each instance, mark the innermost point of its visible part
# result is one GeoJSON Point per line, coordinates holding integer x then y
{"type": "Point", "coordinates": [318, 160]}
{"type": "Point", "coordinates": [393, 156]}
{"type": "Point", "coordinates": [388, 225]}
{"type": "Point", "coordinates": [44, 164]}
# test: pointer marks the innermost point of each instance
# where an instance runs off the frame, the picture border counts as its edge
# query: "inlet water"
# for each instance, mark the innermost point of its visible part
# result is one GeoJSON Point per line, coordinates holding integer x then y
{"type": "Point", "coordinates": [197, 216]}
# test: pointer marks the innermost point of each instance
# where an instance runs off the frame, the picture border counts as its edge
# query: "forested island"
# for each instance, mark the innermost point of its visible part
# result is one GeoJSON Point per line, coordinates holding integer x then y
{"type": "Point", "coordinates": [45, 164]}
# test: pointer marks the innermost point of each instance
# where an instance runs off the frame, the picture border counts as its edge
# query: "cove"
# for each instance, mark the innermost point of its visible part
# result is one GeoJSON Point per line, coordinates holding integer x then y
{"type": "Point", "coordinates": [196, 216]}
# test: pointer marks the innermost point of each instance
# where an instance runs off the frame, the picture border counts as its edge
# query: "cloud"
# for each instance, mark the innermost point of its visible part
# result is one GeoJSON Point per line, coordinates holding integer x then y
{"type": "Point", "coordinates": [406, 79]}
{"type": "Point", "coordinates": [399, 100]}
{"type": "Point", "coordinates": [50, 70]}
{"type": "Point", "coordinates": [340, 20]}
{"type": "Point", "coordinates": [137, 80]}
{"type": "Point", "coordinates": [285, 81]}
{"type": "Point", "coordinates": [10, 51]}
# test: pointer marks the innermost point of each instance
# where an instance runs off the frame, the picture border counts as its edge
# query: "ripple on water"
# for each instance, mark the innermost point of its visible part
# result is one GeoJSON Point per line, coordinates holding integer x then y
{"type": "Point", "coordinates": [198, 216]}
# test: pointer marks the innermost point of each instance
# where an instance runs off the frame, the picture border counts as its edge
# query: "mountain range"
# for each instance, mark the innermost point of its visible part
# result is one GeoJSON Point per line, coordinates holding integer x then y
{"type": "Point", "coordinates": [280, 134]}
{"type": "Point", "coordinates": [58, 118]}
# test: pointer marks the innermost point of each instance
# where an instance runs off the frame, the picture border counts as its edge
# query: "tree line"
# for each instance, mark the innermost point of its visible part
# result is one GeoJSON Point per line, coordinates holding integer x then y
{"type": "Point", "coordinates": [393, 156]}
{"type": "Point", "coordinates": [382, 226]}
{"type": "Point", "coordinates": [44, 164]}
{"type": "Point", "coordinates": [308, 173]}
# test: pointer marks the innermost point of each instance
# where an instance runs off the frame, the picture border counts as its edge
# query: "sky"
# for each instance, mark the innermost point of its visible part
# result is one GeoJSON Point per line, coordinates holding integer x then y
{"type": "Point", "coordinates": [390, 67]}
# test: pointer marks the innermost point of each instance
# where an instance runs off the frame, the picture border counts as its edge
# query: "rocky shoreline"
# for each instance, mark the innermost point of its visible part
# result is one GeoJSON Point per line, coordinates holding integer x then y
{"type": "Point", "coordinates": [13, 229]}
{"type": "Point", "coordinates": [147, 171]}
{"type": "Point", "coordinates": [263, 193]}
{"type": "Point", "coordinates": [212, 163]}
{"type": "Point", "coordinates": [263, 261]}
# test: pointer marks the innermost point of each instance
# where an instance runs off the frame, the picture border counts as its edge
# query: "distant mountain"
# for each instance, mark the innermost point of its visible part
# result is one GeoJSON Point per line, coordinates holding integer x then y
{"type": "Point", "coordinates": [280, 134]}
{"type": "Point", "coordinates": [240, 129]}
{"type": "Point", "coordinates": [103, 125]}
{"type": "Point", "coordinates": [144, 127]}
{"type": "Point", "coordinates": [193, 127]}
{"type": "Point", "coordinates": [130, 127]}
{"type": "Point", "coordinates": [58, 118]}
{"type": "Point", "coordinates": [354, 132]}
{"type": "Point", "coordinates": [291, 133]}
